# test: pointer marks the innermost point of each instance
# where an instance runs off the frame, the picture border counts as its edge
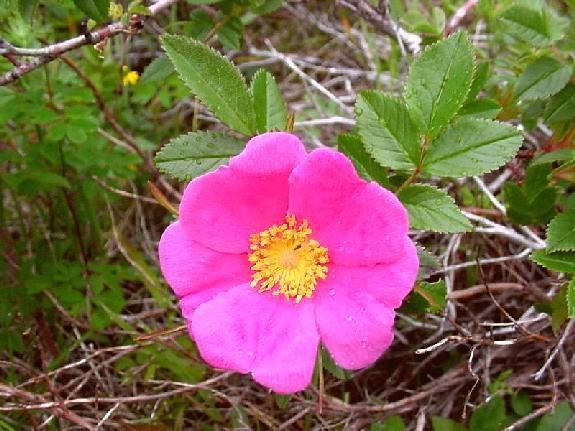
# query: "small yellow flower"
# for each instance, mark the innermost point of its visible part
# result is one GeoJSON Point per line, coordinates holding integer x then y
{"type": "Point", "coordinates": [115, 11]}
{"type": "Point", "coordinates": [130, 77]}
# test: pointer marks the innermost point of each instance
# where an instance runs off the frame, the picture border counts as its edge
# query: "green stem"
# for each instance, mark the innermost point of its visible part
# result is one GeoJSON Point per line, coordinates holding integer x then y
{"type": "Point", "coordinates": [417, 169]}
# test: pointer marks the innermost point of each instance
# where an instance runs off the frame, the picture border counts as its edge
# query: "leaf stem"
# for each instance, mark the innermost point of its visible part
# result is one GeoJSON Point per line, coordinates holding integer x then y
{"type": "Point", "coordinates": [417, 169]}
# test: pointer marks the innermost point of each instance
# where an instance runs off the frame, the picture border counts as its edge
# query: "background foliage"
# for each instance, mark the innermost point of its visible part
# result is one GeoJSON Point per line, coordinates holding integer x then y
{"type": "Point", "coordinates": [472, 126]}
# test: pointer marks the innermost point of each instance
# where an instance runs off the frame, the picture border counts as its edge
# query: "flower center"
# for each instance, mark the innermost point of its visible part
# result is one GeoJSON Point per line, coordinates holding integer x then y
{"type": "Point", "coordinates": [285, 259]}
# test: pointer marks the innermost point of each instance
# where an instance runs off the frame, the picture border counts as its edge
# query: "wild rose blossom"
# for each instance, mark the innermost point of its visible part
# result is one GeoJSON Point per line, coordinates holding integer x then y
{"type": "Point", "coordinates": [281, 249]}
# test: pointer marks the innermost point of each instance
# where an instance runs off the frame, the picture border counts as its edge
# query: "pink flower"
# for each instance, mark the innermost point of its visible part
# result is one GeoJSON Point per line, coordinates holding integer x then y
{"type": "Point", "coordinates": [282, 249]}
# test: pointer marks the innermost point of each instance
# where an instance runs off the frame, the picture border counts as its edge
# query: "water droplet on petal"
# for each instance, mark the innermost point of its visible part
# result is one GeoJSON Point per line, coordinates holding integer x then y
{"type": "Point", "coordinates": [331, 292]}
{"type": "Point", "coordinates": [349, 318]}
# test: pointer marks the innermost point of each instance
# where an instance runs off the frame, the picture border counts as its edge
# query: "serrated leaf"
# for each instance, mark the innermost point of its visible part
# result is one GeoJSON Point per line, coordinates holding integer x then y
{"type": "Point", "coordinates": [230, 34]}
{"type": "Point", "coordinates": [438, 83]}
{"type": "Point", "coordinates": [471, 146]}
{"type": "Point", "coordinates": [561, 232]}
{"type": "Point", "coordinates": [560, 261]}
{"type": "Point", "coordinates": [534, 203]}
{"type": "Point", "coordinates": [366, 166]}
{"type": "Point", "coordinates": [216, 81]}
{"type": "Point", "coordinates": [542, 78]}
{"type": "Point", "coordinates": [387, 131]}
{"type": "Point", "coordinates": [200, 24]}
{"type": "Point", "coordinates": [571, 299]}
{"type": "Point", "coordinates": [480, 76]}
{"type": "Point", "coordinates": [483, 108]}
{"type": "Point", "coordinates": [432, 209]}
{"type": "Point", "coordinates": [269, 104]}
{"type": "Point", "coordinates": [95, 9]}
{"type": "Point", "coordinates": [561, 107]}
{"type": "Point", "coordinates": [196, 153]}
{"type": "Point", "coordinates": [159, 69]}
{"type": "Point", "coordinates": [527, 25]}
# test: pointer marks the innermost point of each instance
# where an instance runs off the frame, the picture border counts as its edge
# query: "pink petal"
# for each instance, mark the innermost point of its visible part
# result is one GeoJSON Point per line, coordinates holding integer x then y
{"type": "Point", "coordinates": [354, 326]}
{"type": "Point", "coordinates": [370, 229]}
{"type": "Point", "coordinates": [243, 330]}
{"type": "Point", "coordinates": [288, 348]}
{"type": "Point", "coordinates": [226, 329]}
{"type": "Point", "coordinates": [196, 272]}
{"type": "Point", "coordinates": [388, 283]}
{"type": "Point", "coordinates": [321, 187]}
{"type": "Point", "coordinates": [221, 209]}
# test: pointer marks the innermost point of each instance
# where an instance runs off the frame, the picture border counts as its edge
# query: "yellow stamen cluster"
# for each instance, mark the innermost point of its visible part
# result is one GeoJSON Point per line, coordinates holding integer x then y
{"type": "Point", "coordinates": [285, 259]}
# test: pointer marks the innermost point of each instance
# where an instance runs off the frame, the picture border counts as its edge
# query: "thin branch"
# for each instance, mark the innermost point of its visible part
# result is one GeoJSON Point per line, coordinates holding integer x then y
{"type": "Point", "coordinates": [383, 22]}
{"type": "Point", "coordinates": [459, 16]}
{"type": "Point", "coordinates": [289, 63]}
{"type": "Point", "coordinates": [61, 405]}
{"type": "Point", "coordinates": [51, 52]}
{"type": "Point", "coordinates": [537, 376]}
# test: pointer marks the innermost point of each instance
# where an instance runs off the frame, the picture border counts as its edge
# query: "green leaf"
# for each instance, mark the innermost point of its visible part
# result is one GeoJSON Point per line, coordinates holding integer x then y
{"type": "Point", "coordinates": [136, 7]}
{"type": "Point", "coordinates": [556, 308]}
{"type": "Point", "coordinates": [556, 420]}
{"type": "Point", "coordinates": [426, 297]}
{"type": "Point", "coordinates": [560, 261]}
{"type": "Point", "coordinates": [527, 25]}
{"type": "Point", "coordinates": [432, 209]}
{"type": "Point", "coordinates": [438, 83]}
{"type": "Point", "coordinates": [331, 367]}
{"type": "Point", "coordinates": [434, 294]}
{"type": "Point", "coordinates": [561, 232]}
{"type": "Point", "coordinates": [269, 104]}
{"type": "Point", "coordinates": [366, 166]}
{"type": "Point", "coordinates": [157, 70]}
{"type": "Point", "coordinates": [391, 423]}
{"type": "Point", "coordinates": [282, 401]}
{"type": "Point", "coordinates": [428, 263]}
{"type": "Point", "coordinates": [542, 78]}
{"type": "Point", "coordinates": [483, 108]}
{"type": "Point", "coordinates": [27, 8]}
{"type": "Point", "coordinates": [521, 403]}
{"type": "Point", "coordinates": [554, 156]}
{"type": "Point", "coordinates": [571, 299]}
{"type": "Point", "coordinates": [479, 79]}
{"type": "Point", "coordinates": [472, 146]}
{"type": "Point", "coordinates": [561, 107]}
{"type": "Point", "coordinates": [534, 203]}
{"type": "Point", "coordinates": [196, 153]}
{"type": "Point", "coordinates": [444, 424]}
{"type": "Point", "coordinates": [95, 9]}
{"type": "Point", "coordinates": [216, 81]}
{"type": "Point", "coordinates": [387, 130]}
{"type": "Point", "coordinates": [230, 34]}
{"type": "Point", "coordinates": [489, 416]}
{"type": "Point", "coordinates": [200, 24]}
